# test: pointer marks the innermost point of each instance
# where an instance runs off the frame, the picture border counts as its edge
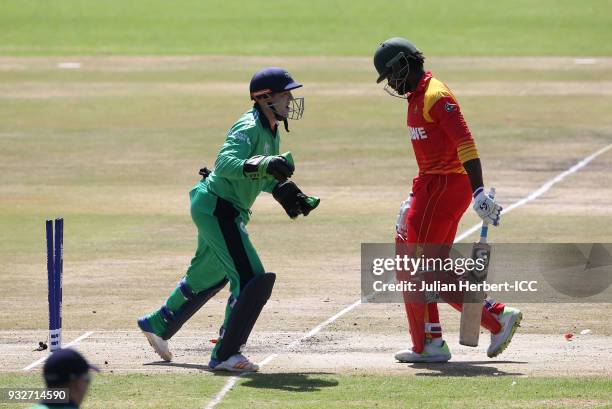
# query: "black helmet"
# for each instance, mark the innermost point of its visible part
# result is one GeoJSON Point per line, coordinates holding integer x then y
{"type": "Point", "coordinates": [390, 52]}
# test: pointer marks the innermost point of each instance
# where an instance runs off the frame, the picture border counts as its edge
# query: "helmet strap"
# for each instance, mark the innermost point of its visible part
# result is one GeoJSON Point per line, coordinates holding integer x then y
{"type": "Point", "coordinates": [278, 116]}
{"type": "Point", "coordinates": [295, 112]}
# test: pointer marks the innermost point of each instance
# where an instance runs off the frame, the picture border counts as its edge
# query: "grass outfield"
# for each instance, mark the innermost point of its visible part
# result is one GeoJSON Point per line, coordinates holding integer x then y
{"type": "Point", "coordinates": [135, 390]}
{"type": "Point", "coordinates": [308, 390]}
{"type": "Point", "coordinates": [114, 147]}
{"type": "Point", "coordinates": [319, 27]}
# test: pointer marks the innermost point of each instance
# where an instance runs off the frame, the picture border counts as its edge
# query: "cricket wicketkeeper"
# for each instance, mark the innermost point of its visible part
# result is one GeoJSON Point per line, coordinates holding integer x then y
{"type": "Point", "coordinates": [450, 177]}
{"type": "Point", "coordinates": [248, 163]}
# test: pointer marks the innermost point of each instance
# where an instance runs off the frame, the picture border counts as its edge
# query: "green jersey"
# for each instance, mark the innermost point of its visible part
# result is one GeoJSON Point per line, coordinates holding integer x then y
{"type": "Point", "coordinates": [246, 138]}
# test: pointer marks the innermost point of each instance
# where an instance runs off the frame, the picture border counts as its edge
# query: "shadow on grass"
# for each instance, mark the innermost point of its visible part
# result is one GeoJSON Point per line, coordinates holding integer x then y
{"type": "Point", "coordinates": [291, 382]}
{"type": "Point", "coordinates": [199, 367]}
{"type": "Point", "coordinates": [466, 368]}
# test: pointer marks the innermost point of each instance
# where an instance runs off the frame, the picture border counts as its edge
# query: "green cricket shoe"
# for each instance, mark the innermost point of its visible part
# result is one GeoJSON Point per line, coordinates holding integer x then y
{"type": "Point", "coordinates": [431, 353]}
{"type": "Point", "coordinates": [510, 320]}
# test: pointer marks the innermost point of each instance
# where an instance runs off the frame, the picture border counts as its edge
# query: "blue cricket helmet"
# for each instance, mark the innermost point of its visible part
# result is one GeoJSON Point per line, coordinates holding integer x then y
{"type": "Point", "coordinates": [271, 80]}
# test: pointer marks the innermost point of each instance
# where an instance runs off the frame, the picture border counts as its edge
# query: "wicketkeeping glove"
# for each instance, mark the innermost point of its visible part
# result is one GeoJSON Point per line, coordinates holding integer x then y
{"type": "Point", "coordinates": [279, 167]}
{"type": "Point", "coordinates": [293, 200]}
{"type": "Point", "coordinates": [486, 207]}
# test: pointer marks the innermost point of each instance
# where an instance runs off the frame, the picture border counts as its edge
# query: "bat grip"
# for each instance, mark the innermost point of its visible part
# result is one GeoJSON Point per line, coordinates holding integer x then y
{"type": "Point", "coordinates": [484, 230]}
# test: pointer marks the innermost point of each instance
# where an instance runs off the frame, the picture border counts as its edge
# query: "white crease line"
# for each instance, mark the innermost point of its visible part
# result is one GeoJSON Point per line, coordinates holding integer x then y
{"type": "Point", "coordinates": [539, 192]}
{"type": "Point", "coordinates": [267, 359]}
{"type": "Point", "coordinates": [44, 358]}
{"type": "Point", "coordinates": [226, 388]}
{"type": "Point", "coordinates": [325, 323]}
{"type": "Point", "coordinates": [232, 381]}
{"type": "Point", "coordinates": [543, 189]}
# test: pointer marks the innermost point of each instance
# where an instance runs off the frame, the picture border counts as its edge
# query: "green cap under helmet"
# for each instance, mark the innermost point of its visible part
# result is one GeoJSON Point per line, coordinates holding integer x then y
{"type": "Point", "coordinates": [388, 52]}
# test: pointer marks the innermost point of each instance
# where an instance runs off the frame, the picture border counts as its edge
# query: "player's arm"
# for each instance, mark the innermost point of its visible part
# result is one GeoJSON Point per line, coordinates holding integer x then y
{"type": "Point", "coordinates": [447, 113]}
{"type": "Point", "coordinates": [285, 168]}
{"type": "Point", "coordinates": [260, 166]}
{"type": "Point", "coordinates": [233, 155]}
{"type": "Point", "coordinates": [270, 185]}
{"type": "Point", "coordinates": [474, 171]}
{"type": "Point", "coordinates": [486, 206]}
{"type": "Point", "coordinates": [236, 162]}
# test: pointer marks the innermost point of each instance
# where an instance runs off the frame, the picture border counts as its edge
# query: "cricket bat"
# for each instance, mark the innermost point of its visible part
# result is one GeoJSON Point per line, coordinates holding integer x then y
{"type": "Point", "coordinates": [469, 330]}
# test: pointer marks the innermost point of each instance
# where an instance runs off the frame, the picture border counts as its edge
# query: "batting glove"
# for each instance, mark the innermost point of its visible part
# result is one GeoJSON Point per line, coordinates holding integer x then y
{"type": "Point", "coordinates": [401, 223]}
{"type": "Point", "coordinates": [486, 207]}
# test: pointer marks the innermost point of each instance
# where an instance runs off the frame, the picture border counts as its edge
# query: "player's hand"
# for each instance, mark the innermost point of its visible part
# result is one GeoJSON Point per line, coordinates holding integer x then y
{"type": "Point", "coordinates": [286, 193]}
{"type": "Point", "coordinates": [486, 207]}
{"type": "Point", "coordinates": [261, 166]}
{"type": "Point", "coordinates": [307, 203]}
{"type": "Point", "coordinates": [401, 224]}
{"type": "Point", "coordinates": [293, 200]}
{"type": "Point", "coordinates": [280, 168]}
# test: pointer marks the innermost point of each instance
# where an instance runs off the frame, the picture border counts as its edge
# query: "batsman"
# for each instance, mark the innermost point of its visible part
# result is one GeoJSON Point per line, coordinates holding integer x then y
{"type": "Point", "coordinates": [247, 164]}
{"type": "Point", "coordinates": [449, 178]}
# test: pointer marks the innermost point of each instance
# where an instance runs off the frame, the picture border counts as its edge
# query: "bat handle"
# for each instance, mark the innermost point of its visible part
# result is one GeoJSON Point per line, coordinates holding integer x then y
{"type": "Point", "coordinates": [484, 230]}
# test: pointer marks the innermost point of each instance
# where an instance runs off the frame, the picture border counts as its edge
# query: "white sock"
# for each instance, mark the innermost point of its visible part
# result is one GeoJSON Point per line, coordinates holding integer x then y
{"type": "Point", "coordinates": [437, 342]}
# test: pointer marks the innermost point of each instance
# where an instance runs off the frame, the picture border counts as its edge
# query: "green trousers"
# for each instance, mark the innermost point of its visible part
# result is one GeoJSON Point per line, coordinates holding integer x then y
{"type": "Point", "coordinates": [224, 252]}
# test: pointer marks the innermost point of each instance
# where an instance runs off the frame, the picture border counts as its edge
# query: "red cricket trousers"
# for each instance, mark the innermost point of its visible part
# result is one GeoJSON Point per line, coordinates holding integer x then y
{"type": "Point", "coordinates": [437, 206]}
